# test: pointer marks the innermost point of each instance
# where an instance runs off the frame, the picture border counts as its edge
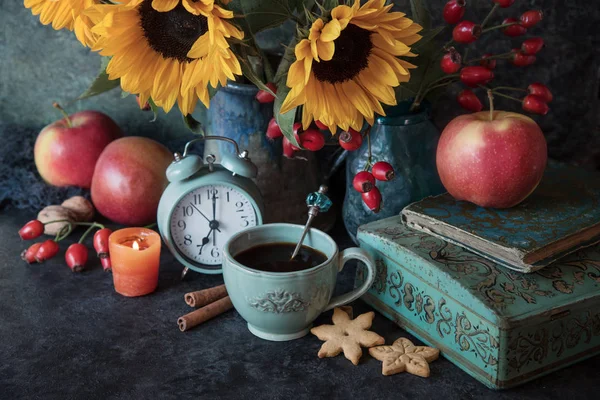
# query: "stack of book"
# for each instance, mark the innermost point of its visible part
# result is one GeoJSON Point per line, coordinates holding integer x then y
{"type": "Point", "coordinates": [507, 295]}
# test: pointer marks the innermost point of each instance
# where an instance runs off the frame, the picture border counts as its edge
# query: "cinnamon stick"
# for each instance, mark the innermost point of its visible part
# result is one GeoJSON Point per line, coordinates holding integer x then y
{"type": "Point", "coordinates": [203, 314]}
{"type": "Point", "coordinates": [206, 296]}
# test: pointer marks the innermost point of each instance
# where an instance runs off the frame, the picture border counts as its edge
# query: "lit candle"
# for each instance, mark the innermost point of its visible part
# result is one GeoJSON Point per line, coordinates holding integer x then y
{"type": "Point", "coordinates": [135, 256]}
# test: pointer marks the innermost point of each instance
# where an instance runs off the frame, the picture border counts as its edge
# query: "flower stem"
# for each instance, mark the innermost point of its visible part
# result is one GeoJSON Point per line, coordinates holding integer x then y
{"type": "Point", "coordinates": [510, 88]}
{"type": "Point", "coordinates": [508, 97]}
{"type": "Point", "coordinates": [87, 232]}
{"type": "Point", "coordinates": [492, 57]}
{"type": "Point", "coordinates": [150, 226]}
{"type": "Point", "coordinates": [370, 155]}
{"type": "Point", "coordinates": [64, 113]}
{"type": "Point", "coordinates": [487, 18]}
{"type": "Point", "coordinates": [491, 99]}
{"type": "Point", "coordinates": [491, 28]}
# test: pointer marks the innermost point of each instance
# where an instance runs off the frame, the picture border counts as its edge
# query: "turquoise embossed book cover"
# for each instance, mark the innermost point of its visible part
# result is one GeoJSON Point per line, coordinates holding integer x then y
{"type": "Point", "coordinates": [561, 216]}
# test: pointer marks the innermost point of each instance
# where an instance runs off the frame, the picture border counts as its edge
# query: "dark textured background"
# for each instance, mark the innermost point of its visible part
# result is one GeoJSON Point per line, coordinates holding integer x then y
{"type": "Point", "coordinates": [39, 65]}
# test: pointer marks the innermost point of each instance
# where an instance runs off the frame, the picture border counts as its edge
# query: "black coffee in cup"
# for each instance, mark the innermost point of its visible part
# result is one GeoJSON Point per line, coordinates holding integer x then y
{"type": "Point", "coordinates": [275, 257]}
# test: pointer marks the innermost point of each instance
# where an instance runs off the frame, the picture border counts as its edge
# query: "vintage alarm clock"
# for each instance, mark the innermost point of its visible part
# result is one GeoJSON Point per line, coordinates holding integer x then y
{"type": "Point", "coordinates": [205, 204]}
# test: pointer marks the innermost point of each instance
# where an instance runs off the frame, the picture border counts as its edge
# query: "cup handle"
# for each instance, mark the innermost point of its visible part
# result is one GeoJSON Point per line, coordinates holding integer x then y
{"type": "Point", "coordinates": [345, 256]}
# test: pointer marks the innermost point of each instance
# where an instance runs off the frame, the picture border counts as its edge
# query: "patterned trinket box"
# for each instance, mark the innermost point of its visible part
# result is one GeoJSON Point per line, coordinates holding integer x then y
{"type": "Point", "coordinates": [500, 326]}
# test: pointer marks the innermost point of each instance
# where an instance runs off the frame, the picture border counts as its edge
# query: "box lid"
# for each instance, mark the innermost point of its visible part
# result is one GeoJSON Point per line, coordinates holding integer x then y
{"type": "Point", "coordinates": [498, 294]}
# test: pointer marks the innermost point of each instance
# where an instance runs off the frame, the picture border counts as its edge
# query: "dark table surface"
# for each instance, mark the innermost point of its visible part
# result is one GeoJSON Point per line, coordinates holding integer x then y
{"type": "Point", "coordinates": [70, 336]}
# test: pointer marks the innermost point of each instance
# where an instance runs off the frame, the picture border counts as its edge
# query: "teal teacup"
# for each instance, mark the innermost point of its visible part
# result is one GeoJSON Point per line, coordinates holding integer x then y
{"type": "Point", "coordinates": [282, 305]}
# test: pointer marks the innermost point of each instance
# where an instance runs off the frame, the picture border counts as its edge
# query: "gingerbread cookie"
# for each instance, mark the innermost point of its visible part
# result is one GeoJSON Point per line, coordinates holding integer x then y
{"type": "Point", "coordinates": [403, 355]}
{"type": "Point", "coordinates": [347, 335]}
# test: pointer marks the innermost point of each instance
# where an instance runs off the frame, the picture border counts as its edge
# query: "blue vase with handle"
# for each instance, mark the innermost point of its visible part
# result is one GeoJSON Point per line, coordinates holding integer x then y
{"type": "Point", "coordinates": [406, 140]}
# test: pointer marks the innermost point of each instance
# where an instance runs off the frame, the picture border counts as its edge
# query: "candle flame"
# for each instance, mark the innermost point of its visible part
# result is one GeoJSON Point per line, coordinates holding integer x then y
{"type": "Point", "coordinates": [135, 245]}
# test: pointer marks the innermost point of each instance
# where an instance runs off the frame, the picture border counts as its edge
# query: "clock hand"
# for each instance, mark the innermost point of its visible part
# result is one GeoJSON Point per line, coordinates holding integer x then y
{"type": "Point", "coordinates": [214, 203]}
{"type": "Point", "coordinates": [200, 212]}
{"type": "Point", "coordinates": [205, 241]}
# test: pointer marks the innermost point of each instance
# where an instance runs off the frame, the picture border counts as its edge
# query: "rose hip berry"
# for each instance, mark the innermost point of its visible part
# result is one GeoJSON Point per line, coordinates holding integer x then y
{"type": "Point", "coordinates": [372, 199]}
{"type": "Point", "coordinates": [476, 75]}
{"type": "Point", "coordinates": [454, 10]}
{"type": "Point", "coordinates": [46, 251]}
{"type": "Point", "coordinates": [273, 130]}
{"type": "Point", "coordinates": [532, 46]}
{"type": "Point", "coordinates": [265, 97]}
{"type": "Point", "coordinates": [486, 62]}
{"type": "Point", "coordinates": [31, 230]}
{"type": "Point", "coordinates": [363, 182]}
{"type": "Point", "coordinates": [288, 149]}
{"type": "Point", "coordinates": [28, 255]}
{"type": "Point", "coordinates": [76, 257]}
{"type": "Point", "coordinates": [540, 90]}
{"type": "Point", "coordinates": [101, 242]}
{"type": "Point", "coordinates": [451, 62]}
{"type": "Point", "coordinates": [513, 30]}
{"type": "Point", "coordinates": [106, 264]}
{"type": "Point", "coordinates": [530, 18]}
{"type": "Point", "coordinates": [312, 139]}
{"type": "Point", "coordinates": [143, 107]}
{"type": "Point", "coordinates": [350, 140]}
{"type": "Point", "coordinates": [521, 59]}
{"type": "Point", "coordinates": [466, 32]}
{"type": "Point", "coordinates": [504, 3]}
{"type": "Point", "coordinates": [321, 125]}
{"type": "Point", "coordinates": [468, 100]}
{"type": "Point", "coordinates": [383, 171]}
{"type": "Point", "coordinates": [535, 104]}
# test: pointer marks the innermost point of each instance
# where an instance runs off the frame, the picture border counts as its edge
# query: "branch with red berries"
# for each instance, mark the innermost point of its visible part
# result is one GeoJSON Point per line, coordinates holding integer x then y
{"type": "Point", "coordinates": [479, 71]}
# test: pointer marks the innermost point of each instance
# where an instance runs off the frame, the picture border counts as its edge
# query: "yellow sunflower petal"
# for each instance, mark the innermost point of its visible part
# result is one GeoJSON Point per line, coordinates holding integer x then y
{"type": "Point", "coordinates": [331, 31]}
{"type": "Point", "coordinates": [164, 5]}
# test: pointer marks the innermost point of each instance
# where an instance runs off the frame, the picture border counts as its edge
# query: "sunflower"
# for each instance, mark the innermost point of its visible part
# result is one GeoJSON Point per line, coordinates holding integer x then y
{"type": "Point", "coordinates": [65, 14]}
{"type": "Point", "coordinates": [348, 66]}
{"type": "Point", "coordinates": [160, 48]}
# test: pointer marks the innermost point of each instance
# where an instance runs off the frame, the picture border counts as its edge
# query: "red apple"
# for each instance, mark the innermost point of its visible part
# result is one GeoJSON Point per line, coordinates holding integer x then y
{"type": "Point", "coordinates": [492, 163]}
{"type": "Point", "coordinates": [66, 151]}
{"type": "Point", "coordinates": [129, 180]}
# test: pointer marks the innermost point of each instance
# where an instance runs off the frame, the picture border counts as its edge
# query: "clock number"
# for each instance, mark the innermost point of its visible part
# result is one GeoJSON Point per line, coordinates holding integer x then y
{"type": "Point", "coordinates": [188, 211]}
{"type": "Point", "coordinates": [197, 199]}
{"type": "Point", "coordinates": [211, 192]}
{"type": "Point", "coordinates": [228, 197]}
{"type": "Point", "coordinates": [215, 252]}
{"type": "Point", "coordinates": [240, 206]}
{"type": "Point", "coordinates": [187, 240]}
{"type": "Point", "coordinates": [182, 224]}
{"type": "Point", "coordinates": [245, 221]}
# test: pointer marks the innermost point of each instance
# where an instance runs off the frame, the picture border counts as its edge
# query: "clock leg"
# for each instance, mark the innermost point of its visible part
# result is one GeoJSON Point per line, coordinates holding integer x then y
{"type": "Point", "coordinates": [184, 273]}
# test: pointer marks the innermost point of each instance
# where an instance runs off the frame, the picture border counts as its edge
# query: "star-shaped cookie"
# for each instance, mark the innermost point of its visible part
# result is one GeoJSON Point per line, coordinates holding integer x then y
{"type": "Point", "coordinates": [403, 355]}
{"type": "Point", "coordinates": [347, 335]}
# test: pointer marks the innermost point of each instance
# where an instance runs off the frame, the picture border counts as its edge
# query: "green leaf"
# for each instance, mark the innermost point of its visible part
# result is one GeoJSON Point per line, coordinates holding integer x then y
{"type": "Point", "coordinates": [193, 125]}
{"type": "Point", "coordinates": [101, 84]}
{"type": "Point", "coordinates": [420, 14]}
{"type": "Point", "coordinates": [427, 37]}
{"type": "Point", "coordinates": [285, 121]}
{"type": "Point", "coordinates": [259, 15]}
{"type": "Point", "coordinates": [249, 73]}
{"type": "Point", "coordinates": [154, 108]}
{"type": "Point", "coordinates": [330, 4]}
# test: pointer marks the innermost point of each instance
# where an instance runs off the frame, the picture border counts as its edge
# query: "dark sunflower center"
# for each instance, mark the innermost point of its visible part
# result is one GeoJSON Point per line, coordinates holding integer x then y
{"type": "Point", "coordinates": [172, 33]}
{"type": "Point", "coordinates": [352, 50]}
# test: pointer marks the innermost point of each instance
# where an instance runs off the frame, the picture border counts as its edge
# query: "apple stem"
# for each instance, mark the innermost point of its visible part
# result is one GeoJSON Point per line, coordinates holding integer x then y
{"type": "Point", "coordinates": [64, 113]}
{"type": "Point", "coordinates": [370, 156]}
{"type": "Point", "coordinates": [491, 99]}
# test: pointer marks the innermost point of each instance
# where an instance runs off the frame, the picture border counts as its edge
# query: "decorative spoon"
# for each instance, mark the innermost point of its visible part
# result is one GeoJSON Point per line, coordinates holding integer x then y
{"type": "Point", "coordinates": [317, 202]}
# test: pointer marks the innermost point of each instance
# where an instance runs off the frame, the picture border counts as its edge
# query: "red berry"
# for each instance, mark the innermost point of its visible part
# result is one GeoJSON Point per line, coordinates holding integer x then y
{"type": "Point", "coordinates": [76, 257]}
{"type": "Point", "coordinates": [350, 140]}
{"type": "Point", "coordinates": [312, 140]}
{"type": "Point", "coordinates": [486, 62]}
{"type": "Point", "coordinates": [321, 125]}
{"type": "Point", "coordinates": [530, 18]}
{"type": "Point", "coordinates": [521, 59]}
{"type": "Point", "coordinates": [513, 30]}
{"type": "Point", "coordinates": [532, 46]}
{"type": "Point", "coordinates": [363, 182]}
{"type": "Point", "coordinates": [474, 76]}
{"type": "Point", "coordinates": [535, 104]}
{"type": "Point", "coordinates": [451, 62]}
{"type": "Point", "coordinates": [47, 250]}
{"type": "Point", "coordinates": [372, 199]}
{"type": "Point", "coordinates": [540, 90]}
{"type": "Point", "coordinates": [383, 171]}
{"type": "Point", "coordinates": [31, 230]}
{"type": "Point", "coordinates": [468, 100]}
{"type": "Point", "coordinates": [288, 149]}
{"type": "Point", "coordinates": [28, 255]}
{"type": "Point", "coordinates": [265, 97]}
{"type": "Point", "coordinates": [273, 130]}
{"type": "Point", "coordinates": [504, 3]}
{"type": "Point", "coordinates": [106, 264]}
{"type": "Point", "coordinates": [466, 32]}
{"type": "Point", "coordinates": [454, 11]}
{"type": "Point", "coordinates": [143, 107]}
{"type": "Point", "coordinates": [101, 242]}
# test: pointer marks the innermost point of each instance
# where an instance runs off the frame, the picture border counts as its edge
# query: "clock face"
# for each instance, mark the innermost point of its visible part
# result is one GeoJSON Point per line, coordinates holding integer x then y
{"type": "Point", "coordinates": [205, 218]}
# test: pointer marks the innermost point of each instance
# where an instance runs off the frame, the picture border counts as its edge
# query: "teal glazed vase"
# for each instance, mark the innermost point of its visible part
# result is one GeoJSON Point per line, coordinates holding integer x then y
{"type": "Point", "coordinates": [406, 140]}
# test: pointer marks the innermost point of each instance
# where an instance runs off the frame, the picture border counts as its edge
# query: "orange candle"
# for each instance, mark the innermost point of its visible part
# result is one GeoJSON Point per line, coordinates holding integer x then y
{"type": "Point", "coordinates": [135, 256]}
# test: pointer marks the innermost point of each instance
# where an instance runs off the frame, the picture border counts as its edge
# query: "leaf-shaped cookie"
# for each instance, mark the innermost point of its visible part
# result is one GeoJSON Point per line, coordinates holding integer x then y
{"type": "Point", "coordinates": [403, 355]}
